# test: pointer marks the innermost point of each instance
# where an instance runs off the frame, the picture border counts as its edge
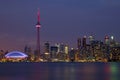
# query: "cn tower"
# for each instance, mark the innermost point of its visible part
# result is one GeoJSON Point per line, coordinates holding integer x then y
{"type": "Point", "coordinates": [38, 25]}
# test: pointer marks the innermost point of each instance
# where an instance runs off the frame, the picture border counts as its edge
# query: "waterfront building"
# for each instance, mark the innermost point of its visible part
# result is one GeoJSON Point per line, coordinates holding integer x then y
{"type": "Point", "coordinates": [61, 47]}
{"type": "Point", "coordinates": [46, 54]}
{"type": "Point", "coordinates": [72, 55]}
{"type": "Point", "coordinates": [62, 51]}
{"type": "Point", "coordinates": [54, 52]}
{"type": "Point", "coordinates": [28, 51]}
{"type": "Point", "coordinates": [16, 56]}
{"type": "Point", "coordinates": [47, 47]}
{"type": "Point", "coordinates": [115, 53]}
{"type": "Point", "coordinates": [1, 55]}
{"type": "Point", "coordinates": [66, 49]}
{"type": "Point", "coordinates": [96, 49]}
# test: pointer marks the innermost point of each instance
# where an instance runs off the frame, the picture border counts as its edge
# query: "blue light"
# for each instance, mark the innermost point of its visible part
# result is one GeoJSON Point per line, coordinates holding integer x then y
{"type": "Point", "coordinates": [16, 54]}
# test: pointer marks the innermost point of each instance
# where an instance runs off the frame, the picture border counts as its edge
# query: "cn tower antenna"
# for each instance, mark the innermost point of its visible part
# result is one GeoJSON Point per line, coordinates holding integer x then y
{"type": "Point", "coordinates": [38, 15]}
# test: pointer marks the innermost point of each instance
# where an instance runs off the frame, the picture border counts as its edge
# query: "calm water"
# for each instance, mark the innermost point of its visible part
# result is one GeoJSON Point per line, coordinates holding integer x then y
{"type": "Point", "coordinates": [59, 71]}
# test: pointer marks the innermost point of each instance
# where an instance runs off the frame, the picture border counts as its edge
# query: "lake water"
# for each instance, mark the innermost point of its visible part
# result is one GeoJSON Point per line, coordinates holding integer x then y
{"type": "Point", "coordinates": [60, 71]}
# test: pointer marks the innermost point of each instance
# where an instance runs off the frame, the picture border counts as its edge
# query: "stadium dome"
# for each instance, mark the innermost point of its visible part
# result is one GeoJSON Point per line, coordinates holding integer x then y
{"type": "Point", "coordinates": [16, 54]}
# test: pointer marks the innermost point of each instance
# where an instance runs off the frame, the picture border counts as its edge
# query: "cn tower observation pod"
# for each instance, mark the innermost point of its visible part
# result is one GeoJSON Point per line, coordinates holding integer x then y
{"type": "Point", "coordinates": [16, 56]}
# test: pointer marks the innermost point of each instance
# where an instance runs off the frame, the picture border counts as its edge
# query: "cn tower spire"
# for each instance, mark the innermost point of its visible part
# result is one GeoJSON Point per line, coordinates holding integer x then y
{"type": "Point", "coordinates": [38, 15]}
{"type": "Point", "coordinates": [38, 25]}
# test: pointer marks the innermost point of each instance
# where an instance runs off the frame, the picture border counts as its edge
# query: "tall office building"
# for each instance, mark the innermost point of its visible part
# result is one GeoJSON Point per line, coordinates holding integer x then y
{"type": "Point", "coordinates": [66, 49]}
{"type": "Point", "coordinates": [72, 55]}
{"type": "Point", "coordinates": [79, 43]}
{"type": "Point", "coordinates": [58, 46]}
{"type": "Point", "coordinates": [54, 51]}
{"type": "Point", "coordinates": [84, 41]}
{"type": "Point", "coordinates": [91, 38]}
{"type": "Point", "coordinates": [107, 41]}
{"type": "Point", "coordinates": [61, 47]}
{"type": "Point", "coordinates": [28, 50]}
{"type": "Point", "coordinates": [47, 47]}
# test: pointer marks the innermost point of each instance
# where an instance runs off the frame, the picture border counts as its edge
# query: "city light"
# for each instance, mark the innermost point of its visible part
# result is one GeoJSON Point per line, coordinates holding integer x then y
{"type": "Point", "coordinates": [112, 37]}
{"type": "Point", "coordinates": [88, 49]}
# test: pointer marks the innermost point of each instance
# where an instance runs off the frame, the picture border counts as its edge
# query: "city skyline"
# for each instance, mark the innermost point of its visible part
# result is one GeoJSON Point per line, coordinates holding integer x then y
{"type": "Point", "coordinates": [62, 21]}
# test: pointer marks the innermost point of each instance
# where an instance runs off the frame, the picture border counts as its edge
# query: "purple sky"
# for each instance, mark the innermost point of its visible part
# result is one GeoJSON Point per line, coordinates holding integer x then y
{"type": "Point", "coordinates": [62, 21]}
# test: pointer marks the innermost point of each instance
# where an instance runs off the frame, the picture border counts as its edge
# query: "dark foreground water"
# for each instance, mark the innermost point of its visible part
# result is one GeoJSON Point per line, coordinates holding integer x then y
{"type": "Point", "coordinates": [59, 71]}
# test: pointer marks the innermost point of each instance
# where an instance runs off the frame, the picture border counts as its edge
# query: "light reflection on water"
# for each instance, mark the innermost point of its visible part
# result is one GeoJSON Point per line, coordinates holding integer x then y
{"type": "Point", "coordinates": [59, 71]}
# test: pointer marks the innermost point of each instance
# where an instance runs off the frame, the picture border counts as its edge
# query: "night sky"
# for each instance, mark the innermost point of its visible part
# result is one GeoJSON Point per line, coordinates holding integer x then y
{"type": "Point", "coordinates": [62, 21]}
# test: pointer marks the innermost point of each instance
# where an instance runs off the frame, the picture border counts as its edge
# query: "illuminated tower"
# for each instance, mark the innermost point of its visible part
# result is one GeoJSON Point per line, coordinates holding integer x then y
{"type": "Point", "coordinates": [38, 25]}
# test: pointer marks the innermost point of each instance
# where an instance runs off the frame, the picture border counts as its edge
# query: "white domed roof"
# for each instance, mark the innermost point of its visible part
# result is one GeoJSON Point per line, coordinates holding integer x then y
{"type": "Point", "coordinates": [16, 54]}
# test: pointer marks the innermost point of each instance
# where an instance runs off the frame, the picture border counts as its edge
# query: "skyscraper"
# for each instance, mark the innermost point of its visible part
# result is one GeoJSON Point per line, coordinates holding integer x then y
{"type": "Point", "coordinates": [38, 25]}
{"type": "Point", "coordinates": [28, 50]}
{"type": "Point", "coordinates": [46, 55]}
{"type": "Point", "coordinates": [47, 47]}
{"type": "Point", "coordinates": [107, 39]}
{"type": "Point", "coordinates": [84, 41]}
{"type": "Point", "coordinates": [66, 49]}
{"type": "Point", "coordinates": [91, 38]}
{"type": "Point", "coordinates": [79, 43]}
{"type": "Point", "coordinates": [54, 50]}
